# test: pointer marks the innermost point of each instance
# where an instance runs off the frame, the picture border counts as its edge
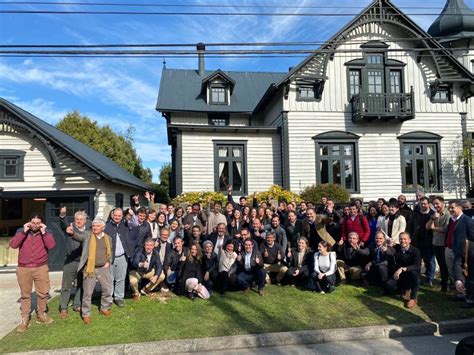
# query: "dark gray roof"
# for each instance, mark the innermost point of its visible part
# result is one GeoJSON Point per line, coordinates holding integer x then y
{"type": "Point", "coordinates": [456, 20]}
{"type": "Point", "coordinates": [180, 90]}
{"type": "Point", "coordinates": [97, 162]}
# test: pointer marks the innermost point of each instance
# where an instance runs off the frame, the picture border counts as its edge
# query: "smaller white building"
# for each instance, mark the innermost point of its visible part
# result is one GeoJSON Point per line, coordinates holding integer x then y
{"type": "Point", "coordinates": [42, 169]}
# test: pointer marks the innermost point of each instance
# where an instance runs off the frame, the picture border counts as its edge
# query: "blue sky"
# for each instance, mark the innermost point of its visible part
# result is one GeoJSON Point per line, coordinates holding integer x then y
{"type": "Point", "coordinates": [121, 91]}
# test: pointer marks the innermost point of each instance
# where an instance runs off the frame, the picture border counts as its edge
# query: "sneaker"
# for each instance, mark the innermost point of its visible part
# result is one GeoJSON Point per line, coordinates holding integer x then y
{"type": "Point", "coordinates": [165, 289]}
{"type": "Point", "coordinates": [411, 303]}
{"type": "Point", "coordinates": [44, 319]}
{"type": "Point", "coordinates": [322, 292]}
{"type": "Point", "coordinates": [63, 314]}
{"type": "Point", "coordinates": [106, 312]}
{"type": "Point", "coordinates": [23, 326]}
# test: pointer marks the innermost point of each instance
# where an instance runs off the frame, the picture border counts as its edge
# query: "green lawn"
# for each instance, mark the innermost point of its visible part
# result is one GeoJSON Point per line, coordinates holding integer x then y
{"type": "Point", "coordinates": [282, 309]}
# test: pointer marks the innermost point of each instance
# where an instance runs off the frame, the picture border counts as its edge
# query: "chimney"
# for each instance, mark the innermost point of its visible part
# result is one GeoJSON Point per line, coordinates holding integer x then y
{"type": "Point", "coordinates": [200, 49]}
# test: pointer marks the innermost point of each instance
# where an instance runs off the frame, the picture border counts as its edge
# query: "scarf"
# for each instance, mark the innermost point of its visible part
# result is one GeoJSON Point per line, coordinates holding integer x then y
{"type": "Point", "coordinates": [92, 250]}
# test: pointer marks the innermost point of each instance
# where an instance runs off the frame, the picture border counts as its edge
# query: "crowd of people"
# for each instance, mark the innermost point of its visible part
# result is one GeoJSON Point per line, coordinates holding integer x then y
{"type": "Point", "coordinates": [200, 251]}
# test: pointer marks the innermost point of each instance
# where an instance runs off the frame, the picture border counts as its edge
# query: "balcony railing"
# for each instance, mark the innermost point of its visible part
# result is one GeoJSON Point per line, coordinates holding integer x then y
{"type": "Point", "coordinates": [370, 107]}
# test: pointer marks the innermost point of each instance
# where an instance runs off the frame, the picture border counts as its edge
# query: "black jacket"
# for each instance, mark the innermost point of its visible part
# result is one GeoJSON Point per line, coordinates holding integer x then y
{"type": "Point", "coordinates": [272, 251]}
{"type": "Point", "coordinates": [155, 263]}
{"type": "Point", "coordinates": [253, 261]}
{"type": "Point", "coordinates": [189, 269]}
{"type": "Point", "coordinates": [122, 231]}
{"type": "Point", "coordinates": [351, 256]}
{"type": "Point", "coordinates": [73, 247]}
{"type": "Point", "coordinates": [306, 266]}
{"type": "Point", "coordinates": [411, 259]}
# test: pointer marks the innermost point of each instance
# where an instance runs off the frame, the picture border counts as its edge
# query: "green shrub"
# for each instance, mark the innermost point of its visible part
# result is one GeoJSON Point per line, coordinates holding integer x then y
{"type": "Point", "coordinates": [335, 192]}
{"type": "Point", "coordinates": [277, 193]}
{"type": "Point", "coordinates": [199, 197]}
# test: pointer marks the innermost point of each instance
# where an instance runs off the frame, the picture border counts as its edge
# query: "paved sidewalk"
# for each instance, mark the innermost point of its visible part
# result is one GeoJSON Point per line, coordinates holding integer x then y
{"type": "Point", "coordinates": [10, 298]}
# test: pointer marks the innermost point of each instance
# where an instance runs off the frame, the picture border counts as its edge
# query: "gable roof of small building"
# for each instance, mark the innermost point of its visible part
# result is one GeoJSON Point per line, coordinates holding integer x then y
{"type": "Point", "coordinates": [97, 162]}
{"type": "Point", "coordinates": [180, 90]}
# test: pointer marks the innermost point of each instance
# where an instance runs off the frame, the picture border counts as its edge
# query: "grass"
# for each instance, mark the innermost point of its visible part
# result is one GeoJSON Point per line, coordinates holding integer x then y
{"type": "Point", "coordinates": [282, 309]}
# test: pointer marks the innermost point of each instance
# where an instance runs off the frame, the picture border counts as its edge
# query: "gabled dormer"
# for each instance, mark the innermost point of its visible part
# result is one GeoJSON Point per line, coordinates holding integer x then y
{"type": "Point", "coordinates": [218, 88]}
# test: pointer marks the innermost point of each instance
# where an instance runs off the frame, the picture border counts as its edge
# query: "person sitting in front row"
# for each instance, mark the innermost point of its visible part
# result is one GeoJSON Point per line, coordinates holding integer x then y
{"type": "Point", "coordinates": [408, 267]}
{"type": "Point", "coordinates": [190, 279]}
{"type": "Point", "coordinates": [350, 257]}
{"type": "Point", "coordinates": [382, 260]}
{"type": "Point", "coordinates": [323, 277]}
{"type": "Point", "coordinates": [146, 265]}
{"type": "Point", "coordinates": [250, 268]}
{"type": "Point", "coordinates": [299, 263]}
{"type": "Point", "coordinates": [273, 255]}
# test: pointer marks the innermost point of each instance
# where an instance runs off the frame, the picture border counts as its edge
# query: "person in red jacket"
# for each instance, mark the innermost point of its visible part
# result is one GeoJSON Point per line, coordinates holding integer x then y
{"type": "Point", "coordinates": [357, 223]}
{"type": "Point", "coordinates": [34, 241]}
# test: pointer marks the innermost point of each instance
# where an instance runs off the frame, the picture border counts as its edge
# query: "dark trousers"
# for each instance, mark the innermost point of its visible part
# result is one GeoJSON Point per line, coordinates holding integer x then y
{"type": "Point", "coordinates": [324, 284]}
{"type": "Point", "coordinates": [443, 268]}
{"type": "Point", "coordinates": [71, 283]}
{"type": "Point", "coordinates": [225, 281]}
{"type": "Point", "coordinates": [300, 280]}
{"type": "Point", "coordinates": [410, 280]}
{"type": "Point", "coordinates": [246, 278]}
{"type": "Point", "coordinates": [378, 273]}
{"type": "Point", "coordinates": [427, 254]}
{"type": "Point", "coordinates": [210, 284]}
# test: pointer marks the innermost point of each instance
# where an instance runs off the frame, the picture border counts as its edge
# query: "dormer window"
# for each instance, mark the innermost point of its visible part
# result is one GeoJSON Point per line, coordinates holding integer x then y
{"type": "Point", "coordinates": [309, 90]}
{"type": "Point", "coordinates": [217, 88]}
{"type": "Point", "coordinates": [218, 95]}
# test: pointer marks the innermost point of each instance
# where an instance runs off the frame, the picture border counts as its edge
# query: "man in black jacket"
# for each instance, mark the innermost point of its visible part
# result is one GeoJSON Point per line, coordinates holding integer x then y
{"type": "Point", "coordinates": [351, 258]}
{"type": "Point", "coordinates": [146, 264]}
{"type": "Point", "coordinates": [140, 228]}
{"type": "Point", "coordinates": [407, 274]}
{"type": "Point", "coordinates": [123, 249]}
{"type": "Point", "coordinates": [273, 255]}
{"type": "Point", "coordinates": [250, 268]}
{"type": "Point", "coordinates": [293, 228]}
{"type": "Point", "coordinates": [71, 277]}
{"type": "Point", "coordinates": [382, 260]}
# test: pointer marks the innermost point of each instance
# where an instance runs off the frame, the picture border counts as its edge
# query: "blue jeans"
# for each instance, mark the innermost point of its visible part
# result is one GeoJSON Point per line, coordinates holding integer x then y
{"type": "Point", "coordinates": [245, 278]}
{"type": "Point", "coordinates": [428, 256]}
{"type": "Point", "coordinates": [119, 273]}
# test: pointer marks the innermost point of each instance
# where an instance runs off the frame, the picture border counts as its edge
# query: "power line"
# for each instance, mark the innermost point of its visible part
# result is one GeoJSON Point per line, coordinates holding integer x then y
{"type": "Point", "coordinates": [203, 5]}
{"type": "Point", "coordinates": [175, 13]}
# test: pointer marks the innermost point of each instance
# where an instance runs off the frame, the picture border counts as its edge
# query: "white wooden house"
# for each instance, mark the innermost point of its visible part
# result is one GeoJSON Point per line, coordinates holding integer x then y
{"type": "Point", "coordinates": [42, 169]}
{"type": "Point", "coordinates": [382, 108]}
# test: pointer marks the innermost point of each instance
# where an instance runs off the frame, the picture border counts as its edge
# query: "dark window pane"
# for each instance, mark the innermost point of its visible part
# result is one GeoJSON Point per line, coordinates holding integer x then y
{"type": "Point", "coordinates": [336, 172]}
{"type": "Point", "coordinates": [348, 174]}
{"type": "Point", "coordinates": [324, 171]}
{"type": "Point", "coordinates": [306, 92]}
{"type": "Point", "coordinates": [237, 176]}
{"type": "Point", "coordinates": [223, 176]}
{"type": "Point", "coordinates": [420, 173]}
{"type": "Point", "coordinates": [10, 166]}
{"type": "Point", "coordinates": [324, 150]}
{"type": "Point", "coordinates": [419, 149]}
{"type": "Point", "coordinates": [408, 167]}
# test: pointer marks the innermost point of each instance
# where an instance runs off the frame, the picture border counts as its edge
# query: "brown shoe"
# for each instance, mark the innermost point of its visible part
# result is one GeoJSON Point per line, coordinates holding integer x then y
{"type": "Point", "coordinates": [63, 314]}
{"type": "Point", "coordinates": [86, 320]}
{"type": "Point", "coordinates": [136, 297]}
{"type": "Point", "coordinates": [23, 326]}
{"type": "Point", "coordinates": [411, 304]}
{"type": "Point", "coordinates": [406, 295]}
{"type": "Point", "coordinates": [106, 312]}
{"type": "Point", "coordinates": [260, 292]}
{"type": "Point", "coordinates": [44, 319]}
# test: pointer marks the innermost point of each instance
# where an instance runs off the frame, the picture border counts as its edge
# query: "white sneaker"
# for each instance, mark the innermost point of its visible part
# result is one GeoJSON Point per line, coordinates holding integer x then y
{"type": "Point", "coordinates": [322, 292]}
{"type": "Point", "coordinates": [165, 289]}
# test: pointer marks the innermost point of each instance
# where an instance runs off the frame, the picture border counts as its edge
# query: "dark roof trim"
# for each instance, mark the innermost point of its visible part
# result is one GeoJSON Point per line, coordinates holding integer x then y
{"type": "Point", "coordinates": [265, 98]}
{"type": "Point", "coordinates": [199, 128]}
{"type": "Point", "coordinates": [332, 135]}
{"type": "Point", "coordinates": [420, 135]}
{"type": "Point", "coordinates": [48, 194]}
{"type": "Point", "coordinates": [216, 74]}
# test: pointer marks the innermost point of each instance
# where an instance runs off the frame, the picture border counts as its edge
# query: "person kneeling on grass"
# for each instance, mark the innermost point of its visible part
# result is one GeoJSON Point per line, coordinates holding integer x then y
{"type": "Point", "coordinates": [323, 279]}
{"type": "Point", "coordinates": [95, 264]}
{"type": "Point", "coordinates": [147, 265]}
{"type": "Point", "coordinates": [190, 277]}
{"type": "Point", "coordinates": [299, 263]}
{"type": "Point", "coordinates": [408, 268]}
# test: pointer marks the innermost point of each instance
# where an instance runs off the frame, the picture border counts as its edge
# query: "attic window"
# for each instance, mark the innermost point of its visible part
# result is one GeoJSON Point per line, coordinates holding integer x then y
{"type": "Point", "coordinates": [218, 95]}
{"type": "Point", "coordinates": [309, 91]}
{"type": "Point", "coordinates": [219, 120]}
{"type": "Point", "coordinates": [11, 165]}
{"type": "Point", "coordinates": [442, 93]}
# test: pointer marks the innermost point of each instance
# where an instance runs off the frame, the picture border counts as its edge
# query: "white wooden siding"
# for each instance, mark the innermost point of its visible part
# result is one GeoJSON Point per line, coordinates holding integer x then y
{"type": "Point", "coordinates": [105, 201]}
{"type": "Point", "coordinates": [379, 149]}
{"type": "Point", "coordinates": [263, 159]}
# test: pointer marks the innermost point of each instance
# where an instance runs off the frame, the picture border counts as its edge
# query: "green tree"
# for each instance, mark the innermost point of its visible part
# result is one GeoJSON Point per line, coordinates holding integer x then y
{"type": "Point", "coordinates": [118, 147]}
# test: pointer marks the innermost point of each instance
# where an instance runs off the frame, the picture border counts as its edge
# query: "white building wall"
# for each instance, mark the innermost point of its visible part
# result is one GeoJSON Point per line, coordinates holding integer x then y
{"type": "Point", "coordinates": [263, 159]}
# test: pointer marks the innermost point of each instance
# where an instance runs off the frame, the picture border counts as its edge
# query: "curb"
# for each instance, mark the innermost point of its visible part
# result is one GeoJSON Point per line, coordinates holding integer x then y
{"type": "Point", "coordinates": [275, 339]}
